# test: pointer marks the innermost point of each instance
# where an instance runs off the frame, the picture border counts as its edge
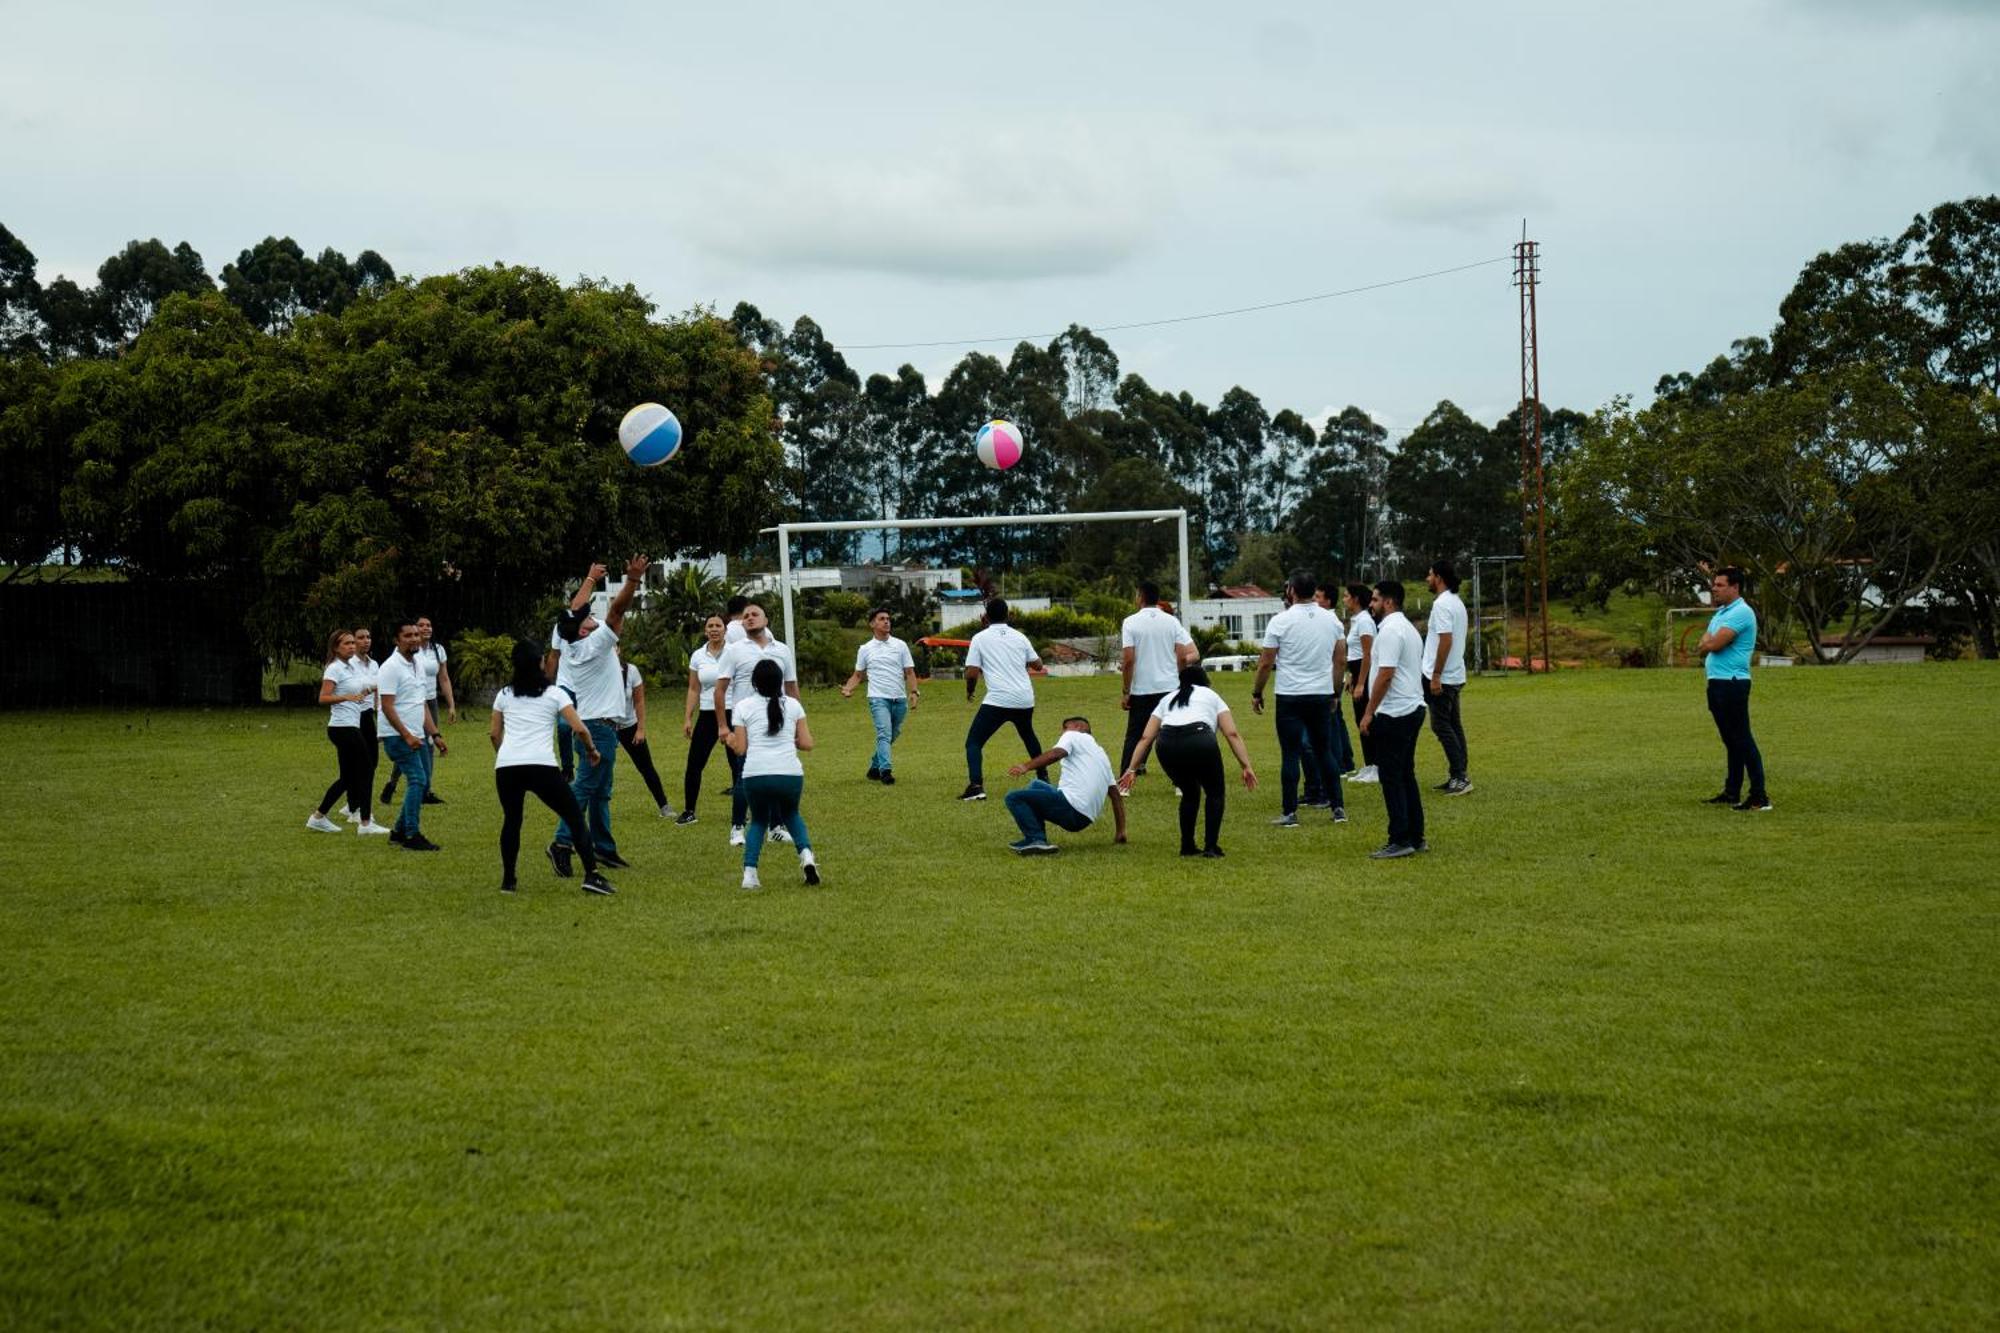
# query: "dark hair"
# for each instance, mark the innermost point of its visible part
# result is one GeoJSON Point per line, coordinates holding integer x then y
{"type": "Point", "coordinates": [403, 623]}
{"type": "Point", "coordinates": [1304, 586]}
{"type": "Point", "coordinates": [734, 606]}
{"type": "Point", "coordinates": [1734, 573]}
{"type": "Point", "coordinates": [1447, 573]}
{"type": "Point", "coordinates": [569, 623]}
{"type": "Point", "coordinates": [768, 679]}
{"type": "Point", "coordinates": [529, 679]}
{"type": "Point", "coordinates": [996, 611]}
{"type": "Point", "coordinates": [1149, 593]}
{"type": "Point", "coordinates": [1391, 591]}
{"type": "Point", "coordinates": [880, 611]}
{"type": "Point", "coordinates": [715, 615]}
{"type": "Point", "coordinates": [1078, 718]}
{"type": "Point", "coordinates": [1359, 592]}
{"type": "Point", "coordinates": [1191, 676]}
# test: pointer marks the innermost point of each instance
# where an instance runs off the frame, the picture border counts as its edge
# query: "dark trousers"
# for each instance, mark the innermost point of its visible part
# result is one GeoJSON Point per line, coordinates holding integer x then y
{"type": "Point", "coordinates": [1305, 727]}
{"type": "Point", "coordinates": [1135, 725]}
{"type": "Point", "coordinates": [516, 783]}
{"type": "Point", "coordinates": [1367, 741]}
{"type": "Point", "coordinates": [1191, 758]}
{"type": "Point", "coordinates": [1396, 762]}
{"type": "Point", "coordinates": [642, 759]}
{"type": "Point", "coordinates": [700, 746]}
{"type": "Point", "coordinates": [566, 750]}
{"type": "Point", "coordinates": [356, 770]}
{"type": "Point", "coordinates": [989, 720]}
{"type": "Point", "coordinates": [1446, 726]}
{"type": "Point", "coordinates": [1343, 758]}
{"type": "Point", "coordinates": [1729, 704]}
{"type": "Point", "coordinates": [374, 744]}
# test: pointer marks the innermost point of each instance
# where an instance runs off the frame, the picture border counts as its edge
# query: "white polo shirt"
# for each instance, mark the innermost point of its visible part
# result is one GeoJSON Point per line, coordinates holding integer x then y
{"type": "Point", "coordinates": [1152, 635]}
{"type": "Point", "coordinates": [1397, 645]}
{"type": "Point", "coordinates": [706, 666]}
{"type": "Point", "coordinates": [1203, 705]}
{"type": "Point", "coordinates": [1447, 617]}
{"type": "Point", "coordinates": [633, 681]}
{"type": "Point", "coordinates": [594, 677]}
{"type": "Point", "coordinates": [348, 678]}
{"type": "Point", "coordinates": [1086, 772]}
{"type": "Point", "coordinates": [1305, 635]}
{"type": "Point", "coordinates": [741, 658]}
{"type": "Point", "coordinates": [1359, 628]}
{"type": "Point", "coordinates": [733, 633]}
{"type": "Point", "coordinates": [431, 658]}
{"type": "Point", "coordinates": [402, 680]}
{"type": "Point", "coordinates": [885, 660]}
{"type": "Point", "coordinates": [527, 738]}
{"type": "Point", "coordinates": [1002, 654]}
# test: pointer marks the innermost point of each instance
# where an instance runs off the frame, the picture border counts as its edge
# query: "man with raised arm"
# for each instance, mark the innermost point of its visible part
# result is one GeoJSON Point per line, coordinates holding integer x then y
{"type": "Point", "coordinates": [590, 656]}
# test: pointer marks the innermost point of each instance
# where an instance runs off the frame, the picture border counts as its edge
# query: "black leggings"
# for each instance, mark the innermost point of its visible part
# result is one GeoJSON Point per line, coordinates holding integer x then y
{"type": "Point", "coordinates": [374, 744]}
{"type": "Point", "coordinates": [514, 783]}
{"type": "Point", "coordinates": [642, 759]}
{"type": "Point", "coordinates": [356, 770]}
{"type": "Point", "coordinates": [1193, 761]}
{"type": "Point", "coordinates": [989, 720]}
{"type": "Point", "coordinates": [700, 746]}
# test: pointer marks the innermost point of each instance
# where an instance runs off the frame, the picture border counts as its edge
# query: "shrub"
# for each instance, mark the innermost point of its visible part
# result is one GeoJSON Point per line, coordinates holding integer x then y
{"type": "Point", "coordinates": [480, 662]}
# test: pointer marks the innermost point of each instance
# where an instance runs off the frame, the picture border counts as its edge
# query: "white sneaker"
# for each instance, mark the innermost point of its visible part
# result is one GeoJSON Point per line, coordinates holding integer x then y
{"type": "Point", "coordinates": [736, 836]}
{"type": "Point", "coordinates": [779, 833]}
{"type": "Point", "coordinates": [368, 829]}
{"type": "Point", "coordinates": [319, 823]}
{"type": "Point", "coordinates": [1367, 774]}
{"type": "Point", "coordinates": [666, 812]}
{"type": "Point", "coordinates": [750, 880]}
{"type": "Point", "coordinates": [809, 864]}
{"type": "Point", "coordinates": [352, 815]}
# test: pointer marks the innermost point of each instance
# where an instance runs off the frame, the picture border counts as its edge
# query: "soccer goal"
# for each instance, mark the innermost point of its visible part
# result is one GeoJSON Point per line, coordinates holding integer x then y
{"type": "Point", "coordinates": [786, 531]}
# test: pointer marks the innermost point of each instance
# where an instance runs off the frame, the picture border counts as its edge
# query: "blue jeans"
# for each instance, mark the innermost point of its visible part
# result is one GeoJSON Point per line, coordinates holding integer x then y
{"type": "Point", "coordinates": [592, 789]}
{"type": "Point", "coordinates": [888, 715]}
{"type": "Point", "coordinates": [773, 799]}
{"type": "Point", "coordinates": [430, 759]}
{"type": "Point", "coordinates": [409, 762]}
{"type": "Point", "coordinates": [1038, 801]}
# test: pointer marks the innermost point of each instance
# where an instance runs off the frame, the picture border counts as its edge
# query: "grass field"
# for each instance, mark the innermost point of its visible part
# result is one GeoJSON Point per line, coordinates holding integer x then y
{"type": "Point", "coordinates": [1607, 1057]}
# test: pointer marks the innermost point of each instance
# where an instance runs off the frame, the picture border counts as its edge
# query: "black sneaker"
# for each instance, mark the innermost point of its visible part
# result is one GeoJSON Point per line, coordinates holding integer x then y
{"type": "Point", "coordinates": [1392, 851]}
{"type": "Point", "coordinates": [395, 835]}
{"type": "Point", "coordinates": [888, 778]}
{"type": "Point", "coordinates": [597, 884]}
{"type": "Point", "coordinates": [874, 775]}
{"type": "Point", "coordinates": [559, 860]}
{"type": "Point", "coordinates": [1458, 787]}
{"type": "Point", "coordinates": [387, 794]}
{"type": "Point", "coordinates": [1211, 854]}
{"type": "Point", "coordinates": [432, 798]}
{"type": "Point", "coordinates": [419, 843]}
{"type": "Point", "coordinates": [686, 817]}
{"type": "Point", "coordinates": [1422, 844]}
{"type": "Point", "coordinates": [1753, 803]}
{"type": "Point", "coordinates": [1190, 850]}
{"type": "Point", "coordinates": [1445, 785]}
{"type": "Point", "coordinates": [508, 886]}
{"type": "Point", "coordinates": [1340, 814]}
{"type": "Point", "coordinates": [973, 792]}
{"type": "Point", "coordinates": [614, 860]}
{"type": "Point", "coordinates": [1723, 798]}
{"type": "Point", "coordinates": [1315, 803]}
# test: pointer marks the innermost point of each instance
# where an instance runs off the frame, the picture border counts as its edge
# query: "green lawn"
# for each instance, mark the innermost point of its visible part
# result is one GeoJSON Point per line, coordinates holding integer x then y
{"type": "Point", "coordinates": [1607, 1057]}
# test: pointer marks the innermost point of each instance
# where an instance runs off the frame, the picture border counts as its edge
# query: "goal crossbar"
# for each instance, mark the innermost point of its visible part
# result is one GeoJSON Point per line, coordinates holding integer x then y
{"type": "Point", "coordinates": [786, 531]}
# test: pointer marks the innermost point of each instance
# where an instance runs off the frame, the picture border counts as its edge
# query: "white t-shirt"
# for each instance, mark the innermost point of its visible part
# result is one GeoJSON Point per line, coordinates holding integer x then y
{"type": "Point", "coordinates": [1447, 617]}
{"type": "Point", "coordinates": [1203, 705]}
{"type": "Point", "coordinates": [633, 680]}
{"type": "Point", "coordinates": [1002, 654]}
{"type": "Point", "coordinates": [885, 660]}
{"type": "Point", "coordinates": [594, 677]}
{"type": "Point", "coordinates": [706, 666]}
{"type": "Point", "coordinates": [367, 671]}
{"type": "Point", "coordinates": [1152, 635]}
{"type": "Point", "coordinates": [734, 633]}
{"type": "Point", "coordinates": [431, 658]}
{"type": "Point", "coordinates": [1305, 636]}
{"type": "Point", "coordinates": [529, 734]}
{"type": "Point", "coordinates": [1086, 772]}
{"type": "Point", "coordinates": [741, 658]}
{"type": "Point", "coordinates": [347, 678]}
{"type": "Point", "coordinates": [768, 755]}
{"type": "Point", "coordinates": [1359, 628]}
{"type": "Point", "coordinates": [403, 681]}
{"type": "Point", "coordinates": [556, 645]}
{"type": "Point", "coordinates": [1397, 645]}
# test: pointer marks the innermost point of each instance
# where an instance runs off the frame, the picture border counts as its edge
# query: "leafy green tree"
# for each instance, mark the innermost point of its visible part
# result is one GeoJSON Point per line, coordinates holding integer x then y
{"type": "Point", "coordinates": [1453, 489]}
{"type": "Point", "coordinates": [132, 284]}
{"type": "Point", "coordinates": [1344, 478]}
{"type": "Point", "coordinates": [20, 298]}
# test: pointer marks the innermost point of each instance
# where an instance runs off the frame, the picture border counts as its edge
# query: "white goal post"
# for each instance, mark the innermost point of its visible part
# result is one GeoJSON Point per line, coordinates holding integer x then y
{"type": "Point", "coordinates": [786, 531]}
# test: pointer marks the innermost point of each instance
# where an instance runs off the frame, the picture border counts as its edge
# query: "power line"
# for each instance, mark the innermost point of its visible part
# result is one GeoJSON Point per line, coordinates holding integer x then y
{"type": "Point", "coordinates": [1182, 319]}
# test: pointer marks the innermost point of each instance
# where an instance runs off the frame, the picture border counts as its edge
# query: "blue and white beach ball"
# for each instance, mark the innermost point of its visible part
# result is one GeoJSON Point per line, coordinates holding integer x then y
{"type": "Point", "coordinates": [650, 434]}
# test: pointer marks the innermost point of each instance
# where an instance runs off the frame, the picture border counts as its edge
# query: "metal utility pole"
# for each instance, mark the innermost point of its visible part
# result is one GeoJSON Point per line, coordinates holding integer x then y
{"type": "Point", "coordinates": [1534, 498]}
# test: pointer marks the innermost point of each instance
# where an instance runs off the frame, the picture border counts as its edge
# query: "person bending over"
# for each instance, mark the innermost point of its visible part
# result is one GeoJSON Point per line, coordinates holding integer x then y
{"type": "Point", "coordinates": [1076, 802]}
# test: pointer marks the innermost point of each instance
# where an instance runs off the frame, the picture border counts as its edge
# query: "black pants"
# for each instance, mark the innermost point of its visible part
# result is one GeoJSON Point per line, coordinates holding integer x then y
{"type": "Point", "coordinates": [642, 759]}
{"type": "Point", "coordinates": [989, 720]}
{"type": "Point", "coordinates": [1343, 757]}
{"type": "Point", "coordinates": [544, 781]}
{"type": "Point", "coordinates": [700, 746]}
{"type": "Point", "coordinates": [1446, 726]}
{"type": "Point", "coordinates": [1367, 741]}
{"type": "Point", "coordinates": [1192, 759]}
{"type": "Point", "coordinates": [356, 772]}
{"type": "Point", "coordinates": [1729, 704]}
{"type": "Point", "coordinates": [1396, 761]}
{"type": "Point", "coordinates": [1135, 725]}
{"type": "Point", "coordinates": [1305, 727]}
{"type": "Point", "coordinates": [566, 750]}
{"type": "Point", "coordinates": [374, 744]}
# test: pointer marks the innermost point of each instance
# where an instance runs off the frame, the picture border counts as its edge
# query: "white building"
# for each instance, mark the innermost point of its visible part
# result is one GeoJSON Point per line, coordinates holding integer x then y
{"type": "Point", "coordinates": [1241, 618]}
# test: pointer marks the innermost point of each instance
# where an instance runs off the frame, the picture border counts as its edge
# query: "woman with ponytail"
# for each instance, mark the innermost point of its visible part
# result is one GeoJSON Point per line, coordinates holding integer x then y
{"type": "Point", "coordinates": [1184, 726]}
{"type": "Point", "coordinates": [525, 714]}
{"type": "Point", "coordinates": [768, 730]}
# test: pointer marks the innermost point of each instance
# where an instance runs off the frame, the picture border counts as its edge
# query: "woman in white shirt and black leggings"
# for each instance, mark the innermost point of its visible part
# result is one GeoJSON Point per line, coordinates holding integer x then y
{"type": "Point", "coordinates": [523, 734]}
{"type": "Point", "coordinates": [1184, 726]}
{"type": "Point", "coordinates": [345, 686]}
{"type": "Point", "coordinates": [769, 730]}
{"type": "Point", "coordinates": [698, 720]}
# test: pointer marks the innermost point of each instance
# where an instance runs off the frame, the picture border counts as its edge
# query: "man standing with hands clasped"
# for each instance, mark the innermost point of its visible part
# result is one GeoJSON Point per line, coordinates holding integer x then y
{"type": "Point", "coordinates": [1726, 649]}
{"type": "Point", "coordinates": [1444, 672]}
{"type": "Point", "coordinates": [1394, 716]}
{"type": "Point", "coordinates": [596, 678]}
{"type": "Point", "coordinates": [1299, 644]}
{"type": "Point", "coordinates": [1154, 648]}
{"type": "Point", "coordinates": [404, 722]}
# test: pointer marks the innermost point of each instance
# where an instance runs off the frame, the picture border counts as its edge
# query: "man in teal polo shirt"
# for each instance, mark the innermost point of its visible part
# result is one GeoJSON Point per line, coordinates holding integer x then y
{"type": "Point", "coordinates": [1728, 644]}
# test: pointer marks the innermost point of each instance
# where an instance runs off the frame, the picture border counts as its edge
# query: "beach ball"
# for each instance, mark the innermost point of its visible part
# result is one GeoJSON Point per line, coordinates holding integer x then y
{"type": "Point", "coordinates": [999, 444]}
{"type": "Point", "coordinates": [650, 434]}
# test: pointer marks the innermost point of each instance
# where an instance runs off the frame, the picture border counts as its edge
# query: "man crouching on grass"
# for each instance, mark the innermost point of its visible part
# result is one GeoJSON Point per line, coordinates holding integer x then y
{"type": "Point", "coordinates": [1073, 805]}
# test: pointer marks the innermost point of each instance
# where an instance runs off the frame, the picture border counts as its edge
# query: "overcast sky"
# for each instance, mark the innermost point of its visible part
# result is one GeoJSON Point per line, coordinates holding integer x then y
{"type": "Point", "coordinates": [910, 173]}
